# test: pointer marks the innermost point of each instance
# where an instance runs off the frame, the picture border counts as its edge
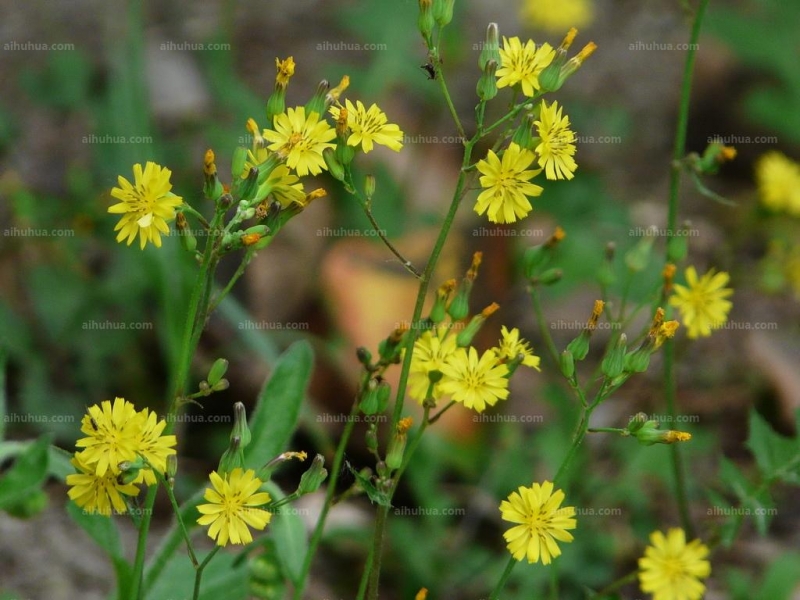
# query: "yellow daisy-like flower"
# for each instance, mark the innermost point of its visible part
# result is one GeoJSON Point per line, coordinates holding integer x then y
{"type": "Point", "coordinates": [369, 126]}
{"type": "Point", "coordinates": [284, 186]}
{"type": "Point", "coordinates": [506, 185]}
{"type": "Point", "coordinates": [557, 146]}
{"type": "Point", "coordinates": [97, 493]}
{"type": "Point", "coordinates": [232, 507]}
{"type": "Point", "coordinates": [153, 446]}
{"type": "Point", "coordinates": [431, 351]}
{"type": "Point", "coordinates": [146, 205]}
{"type": "Point", "coordinates": [541, 521]}
{"type": "Point", "coordinates": [557, 15]}
{"type": "Point", "coordinates": [702, 302]}
{"type": "Point", "coordinates": [301, 139]}
{"type": "Point", "coordinates": [778, 179]}
{"type": "Point", "coordinates": [511, 346]}
{"type": "Point", "coordinates": [285, 70]}
{"type": "Point", "coordinates": [522, 64]}
{"type": "Point", "coordinates": [114, 435]}
{"type": "Point", "coordinates": [671, 569]}
{"type": "Point", "coordinates": [473, 381]}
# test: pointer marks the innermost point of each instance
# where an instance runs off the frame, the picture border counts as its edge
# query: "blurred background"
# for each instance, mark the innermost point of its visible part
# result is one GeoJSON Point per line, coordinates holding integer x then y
{"type": "Point", "coordinates": [90, 88]}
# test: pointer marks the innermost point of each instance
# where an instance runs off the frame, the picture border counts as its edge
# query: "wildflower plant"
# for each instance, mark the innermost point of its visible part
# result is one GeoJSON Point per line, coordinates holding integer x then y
{"type": "Point", "coordinates": [519, 144]}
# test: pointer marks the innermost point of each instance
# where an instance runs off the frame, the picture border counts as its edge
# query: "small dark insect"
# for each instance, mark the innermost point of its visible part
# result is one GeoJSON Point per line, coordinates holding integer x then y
{"type": "Point", "coordinates": [429, 69]}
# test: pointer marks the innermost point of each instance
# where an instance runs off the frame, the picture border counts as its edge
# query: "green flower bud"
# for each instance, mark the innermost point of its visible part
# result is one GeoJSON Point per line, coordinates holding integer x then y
{"type": "Point", "coordinates": [369, 187]}
{"type": "Point", "coordinates": [221, 385]}
{"type": "Point", "coordinates": [384, 391]}
{"type": "Point", "coordinates": [464, 337]}
{"type": "Point", "coordinates": [677, 248]}
{"type": "Point", "coordinates": [217, 371]}
{"type": "Point", "coordinates": [317, 102]}
{"type": "Point", "coordinates": [276, 104]}
{"type": "Point", "coordinates": [372, 438]}
{"type": "Point", "coordinates": [637, 422]}
{"type": "Point", "coordinates": [426, 20]}
{"type": "Point", "coordinates": [636, 258]}
{"type": "Point", "coordinates": [313, 478]}
{"type": "Point", "coordinates": [247, 188]}
{"type": "Point", "coordinates": [369, 398]}
{"type": "Point", "coordinates": [637, 361]}
{"type": "Point", "coordinates": [364, 357]}
{"type": "Point", "coordinates": [579, 346]}
{"type": "Point", "coordinates": [549, 277]}
{"type": "Point", "coordinates": [238, 162]}
{"type": "Point", "coordinates": [334, 166]}
{"type": "Point", "coordinates": [487, 84]}
{"type": "Point", "coordinates": [491, 47]}
{"type": "Point", "coordinates": [443, 11]}
{"type": "Point", "coordinates": [649, 434]}
{"type": "Point", "coordinates": [345, 153]}
{"type": "Point", "coordinates": [240, 428]}
{"type": "Point", "coordinates": [567, 364]}
{"type": "Point", "coordinates": [614, 361]}
{"type": "Point", "coordinates": [188, 241]}
{"type": "Point", "coordinates": [397, 445]}
{"type": "Point", "coordinates": [232, 458]}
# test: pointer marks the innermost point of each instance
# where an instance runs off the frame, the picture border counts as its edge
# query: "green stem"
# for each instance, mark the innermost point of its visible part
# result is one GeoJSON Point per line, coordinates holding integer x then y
{"type": "Point", "coordinates": [577, 438]}
{"type": "Point", "coordinates": [198, 576]}
{"type": "Point", "coordinates": [548, 339]}
{"type": "Point", "coordinates": [191, 338]}
{"type": "Point", "coordinates": [336, 468]}
{"type": "Point", "coordinates": [181, 524]}
{"type": "Point", "coordinates": [377, 551]}
{"type": "Point", "coordinates": [612, 587]}
{"type": "Point", "coordinates": [670, 388]}
{"type": "Point", "coordinates": [495, 595]}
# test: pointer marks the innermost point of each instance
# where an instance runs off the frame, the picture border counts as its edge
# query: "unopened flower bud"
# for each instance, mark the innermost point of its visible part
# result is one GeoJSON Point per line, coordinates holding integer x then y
{"type": "Point", "coordinates": [217, 371]}
{"type": "Point", "coordinates": [614, 361]}
{"type": "Point", "coordinates": [464, 337]}
{"type": "Point", "coordinates": [397, 445]}
{"type": "Point", "coordinates": [567, 364]}
{"type": "Point", "coordinates": [313, 478]}
{"type": "Point", "coordinates": [426, 20]}
{"type": "Point", "coordinates": [240, 428]}
{"type": "Point", "coordinates": [491, 47]}
{"type": "Point", "coordinates": [369, 187]}
{"type": "Point", "coordinates": [443, 11]}
{"type": "Point", "coordinates": [439, 310]}
{"type": "Point", "coordinates": [317, 102]}
{"type": "Point", "coordinates": [188, 241]}
{"type": "Point", "coordinates": [334, 166]}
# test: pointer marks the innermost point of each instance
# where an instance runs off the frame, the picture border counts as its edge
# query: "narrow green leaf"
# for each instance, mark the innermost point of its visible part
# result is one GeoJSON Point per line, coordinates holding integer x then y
{"type": "Point", "coordinates": [221, 578]}
{"type": "Point", "coordinates": [289, 535]}
{"type": "Point", "coordinates": [781, 578]}
{"type": "Point", "coordinates": [276, 413]}
{"type": "Point", "coordinates": [27, 473]}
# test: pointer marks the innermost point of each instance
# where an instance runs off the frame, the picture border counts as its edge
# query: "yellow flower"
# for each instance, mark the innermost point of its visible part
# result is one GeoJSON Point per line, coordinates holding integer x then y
{"type": "Point", "coordinates": [431, 350]}
{"type": "Point", "coordinates": [152, 445]}
{"type": "Point", "coordinates": [113, 435]}
{"type": "Point", "coordinates": [511, 346]}
{"type": "Point", "coordinates": [97, 493]}
{"type": "Point", "coordinates": [557, 146]}
{"type": "Point", "coordinates": [506, 185]}
{"type": "Point", "coordinates": [285, 70]}
{"type": "Point", "coordinates": [671, 569]}
{"type": "Point", "coordinates": [474, 381]}
{"type": "Point", "coordinates": [301, 139]}
{"type": "Point", "coordinates": [778, 179]}
{"type": "Point", "coordinates": [557, 15]}
{"type": "Point", "coordinates": [703, 303]}
{"type": "Point", "coordinates": [233, 503]}
{"type": "Point", "coordinates": [368, 126]}
{"type": "Point", "coordinates": [258, 152]}
{"type": "Point", "coordinates": [284, 186]}
{"type": "Point", "coordinates": [541, 521]}
{"type": "Point", "coordinates": [522, 64]}
{"type": "Point", "coordinates": [146, 205]}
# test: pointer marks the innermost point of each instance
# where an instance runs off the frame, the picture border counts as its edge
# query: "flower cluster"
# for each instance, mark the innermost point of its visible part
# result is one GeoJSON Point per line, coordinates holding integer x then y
{"type": "Point", "coordinates": [444, 364]}
{"type": "Point", "coordinates": [544, 140]}
{"type": "Point", "coordinates": [297, 142]}
{"type": "Point", "coordinates": [121, 449]}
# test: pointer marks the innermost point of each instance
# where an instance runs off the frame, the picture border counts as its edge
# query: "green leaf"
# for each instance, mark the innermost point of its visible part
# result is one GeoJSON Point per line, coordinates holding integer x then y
{"type": "Point", "coordinates": [100, 528]}
{"type": "Point", "coordinates": [276, 413]}
{"type": "Point", "coordinates": [778, 457]}
{"type": "Point", "coordinates": [3, 357]}
{"type": "Point", "coordinates": [26, 475]}
{"type": "Point", "coordinates": [223, 577]}
{"type": "Point", "coordinates": [781, 578]}
{"type": "Point", "coordinates": [289, 535]}
{"type": "Point", "coordinates": [731, 476]}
